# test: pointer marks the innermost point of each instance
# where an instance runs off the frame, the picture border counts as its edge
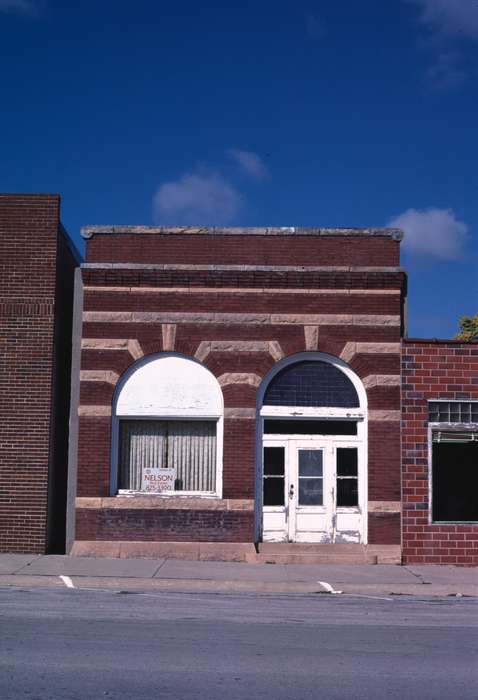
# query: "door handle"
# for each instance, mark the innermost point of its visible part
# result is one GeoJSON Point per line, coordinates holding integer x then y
{"type": "Point", "coordinates": [291, 491]}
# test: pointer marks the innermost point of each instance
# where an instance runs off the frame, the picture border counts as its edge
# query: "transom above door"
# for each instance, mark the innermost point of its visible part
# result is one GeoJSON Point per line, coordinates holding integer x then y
{"type": "Point", "coordinates": [311, 490]}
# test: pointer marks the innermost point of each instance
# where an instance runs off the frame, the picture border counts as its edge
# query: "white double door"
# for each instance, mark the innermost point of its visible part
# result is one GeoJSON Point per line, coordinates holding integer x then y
{"type": "Point", "coordinates": [311, 491]}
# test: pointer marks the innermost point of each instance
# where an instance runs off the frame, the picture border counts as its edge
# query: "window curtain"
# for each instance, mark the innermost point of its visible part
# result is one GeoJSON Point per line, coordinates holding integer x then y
{"type": "Point", "coordinates": [186, 447]}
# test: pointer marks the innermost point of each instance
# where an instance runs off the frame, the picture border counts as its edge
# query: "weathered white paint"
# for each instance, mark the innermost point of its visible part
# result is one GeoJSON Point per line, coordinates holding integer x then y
{"type": "Point", "coordinates": [311, 412]}
{"type": "Point", "coordinates": [313, 524]}
{"type": "Point", "coordinates": [326, 523]}
{"type": "Point", "coordinates": [168, 385]}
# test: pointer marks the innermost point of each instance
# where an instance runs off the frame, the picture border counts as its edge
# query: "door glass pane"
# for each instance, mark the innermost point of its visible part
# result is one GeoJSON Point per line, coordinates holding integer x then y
{"type": "Point", "coordinates": [347, 492]}
{"type": "Point", "coordinates": [274, 491]}
{"type": "Point", "coordinates": [347, 461]}
{"type": "Point", "coordinates": [274, 483]}
{"type": "Point", "coordinates": [274, 460]}
{"type": "Point", "coordinates": [310, 492]}
{"type": "Point", "coordinates": [310, 462]}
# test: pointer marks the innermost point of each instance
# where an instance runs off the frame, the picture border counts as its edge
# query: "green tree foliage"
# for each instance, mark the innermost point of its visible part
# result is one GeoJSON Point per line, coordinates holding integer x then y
{"type": "Point", "coordinates": [468, 328]}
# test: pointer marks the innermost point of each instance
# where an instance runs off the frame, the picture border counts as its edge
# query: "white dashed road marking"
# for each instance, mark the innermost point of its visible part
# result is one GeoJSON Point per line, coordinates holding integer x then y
{"type": "Point", "coordinates": [329, 588]}
{"type": "Point", "coordinates": [67, 581]}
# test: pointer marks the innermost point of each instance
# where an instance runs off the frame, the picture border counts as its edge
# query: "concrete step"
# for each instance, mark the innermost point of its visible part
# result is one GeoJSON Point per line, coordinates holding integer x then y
{"type": "Point", "coordinates": [309, 547]}
{"type": "Point", "coordinates": [316, 558]}
{"type": "Point", "coordinates": [309, 553]}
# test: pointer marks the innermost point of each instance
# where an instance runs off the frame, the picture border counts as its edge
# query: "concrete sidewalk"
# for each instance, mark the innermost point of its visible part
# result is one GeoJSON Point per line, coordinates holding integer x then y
{"type": "Point", "coordinates": [204, 576]}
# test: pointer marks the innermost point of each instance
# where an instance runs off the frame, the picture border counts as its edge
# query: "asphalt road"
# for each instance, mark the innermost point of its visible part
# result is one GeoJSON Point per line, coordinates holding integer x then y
{"type": "Point", "coordinates": [93, 644]}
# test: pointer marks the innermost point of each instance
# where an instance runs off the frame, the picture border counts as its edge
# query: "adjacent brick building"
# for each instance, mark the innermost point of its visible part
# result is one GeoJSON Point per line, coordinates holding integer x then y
{"type": "Point", "coordinates": [267, 313]}
{"type": "Point", "coordinates": [37, 263]}
{"type": "Point", "coordinates": [440, 452]}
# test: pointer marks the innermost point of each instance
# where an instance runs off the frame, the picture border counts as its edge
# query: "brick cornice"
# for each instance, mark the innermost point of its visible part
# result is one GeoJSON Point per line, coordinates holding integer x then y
{"type": "Point", "coordinates": [243, 276]}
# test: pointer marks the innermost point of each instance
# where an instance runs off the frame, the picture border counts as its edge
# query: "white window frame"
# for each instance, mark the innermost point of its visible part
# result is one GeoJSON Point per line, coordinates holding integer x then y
{"type": "Point", "coordinates": [173, 415]}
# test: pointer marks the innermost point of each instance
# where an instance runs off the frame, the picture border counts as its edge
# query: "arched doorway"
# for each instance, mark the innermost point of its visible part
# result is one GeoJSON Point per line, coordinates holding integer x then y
{"type": "Point", "coordinates": [311, 481]}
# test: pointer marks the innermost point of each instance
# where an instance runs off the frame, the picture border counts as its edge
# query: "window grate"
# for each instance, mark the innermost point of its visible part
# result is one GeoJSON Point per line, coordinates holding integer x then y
{"type": "Point", "coordinates": [453, 411]}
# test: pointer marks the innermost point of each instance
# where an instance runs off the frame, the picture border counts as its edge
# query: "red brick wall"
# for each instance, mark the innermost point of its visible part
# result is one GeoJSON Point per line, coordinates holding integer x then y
{"type": "Point", "coordinates": [193, 296]}
{"type": "Point", "coordinates": [28, 247]}
{"type": "Point", "coordinates": [243, 249]}
{"type": "Point", "coordinates": [430, 371]}
{"type": "Point", "coordinates": [171, 525]}
{"type": "Point", "coordinates": [36, 268]}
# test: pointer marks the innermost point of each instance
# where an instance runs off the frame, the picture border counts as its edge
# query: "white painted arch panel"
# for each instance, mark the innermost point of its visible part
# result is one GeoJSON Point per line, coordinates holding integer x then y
{"type": "Point", "coordinates": [169, 385]}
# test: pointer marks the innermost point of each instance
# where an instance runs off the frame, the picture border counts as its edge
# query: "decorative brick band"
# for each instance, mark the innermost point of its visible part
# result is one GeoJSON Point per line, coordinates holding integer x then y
{"type": "Point", "coordinates": [91, 375]}
{"type": "Point", "coordinates": [381, 416]}
{"type": "Point", "coordinates": [131, 345]}
{"type": "Point", "coordinates": [169, 336]}
{"type": "Point", "coordinates": [228, 318]}
{"type": "Point", "coordinates": [311, 334]}
{"type": "Point", "coordinates": [351, 349]}
{"type": "Point", "coordinates": [238, 268]}
{"type": "Point", "coordinates": [25, 307]}
{"type": "Point", "coordinates": [157, 501]}
{"type": "Point", "coordinates": [241, 290]}
{"type": "Point", "coordinates": [94, 410]}
{"type": "Point", "coordinates": [239, 378]}
{"type": "Point", "coordinates": [381, 380]}
{"type": "Point", "coordinates": [384, 506]}
{"type": "Point", "coordinates": [239, 413]}
{"type": "Point", "coordinates": [205, 347]}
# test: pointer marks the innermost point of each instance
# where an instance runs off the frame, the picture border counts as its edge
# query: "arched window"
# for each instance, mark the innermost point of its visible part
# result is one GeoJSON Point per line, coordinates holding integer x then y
{"type": "Point", "coordinates": [314, 384]}
{"type": "Point", "coordinates": [168, 428]}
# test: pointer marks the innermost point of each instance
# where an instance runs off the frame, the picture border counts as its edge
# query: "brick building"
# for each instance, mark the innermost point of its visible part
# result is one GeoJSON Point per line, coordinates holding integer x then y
{"type": "Point", "coordinates": [37, 263]}
{"type": "Point", "coordinates": [231, 387]}
{"type": "Point", "coordinates": [440, 452]}
{"type": "Point", "coordinates": [238, 386]}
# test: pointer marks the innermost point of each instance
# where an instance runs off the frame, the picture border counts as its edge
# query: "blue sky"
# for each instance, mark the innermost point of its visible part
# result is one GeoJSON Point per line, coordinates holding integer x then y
{"type": "Point", "coordinates": [352, 113]}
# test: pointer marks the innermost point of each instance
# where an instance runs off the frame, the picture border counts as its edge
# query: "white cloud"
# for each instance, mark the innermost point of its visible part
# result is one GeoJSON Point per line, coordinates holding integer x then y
{"type": "Point", "coordinates": [250, 163]}
{"type": "Point", "coordinates": [449, 17]}
{"type": "Point", "coordinates": [433, 232]}
{"type": "Point", "coordinates": [20, 7]}
{"type": "Point", "coordinates": [203, 198]}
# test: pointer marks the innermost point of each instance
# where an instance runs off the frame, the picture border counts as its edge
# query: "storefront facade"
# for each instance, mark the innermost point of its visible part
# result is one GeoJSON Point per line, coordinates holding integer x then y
{"type": "Point", "coordinates": [238, 386]}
